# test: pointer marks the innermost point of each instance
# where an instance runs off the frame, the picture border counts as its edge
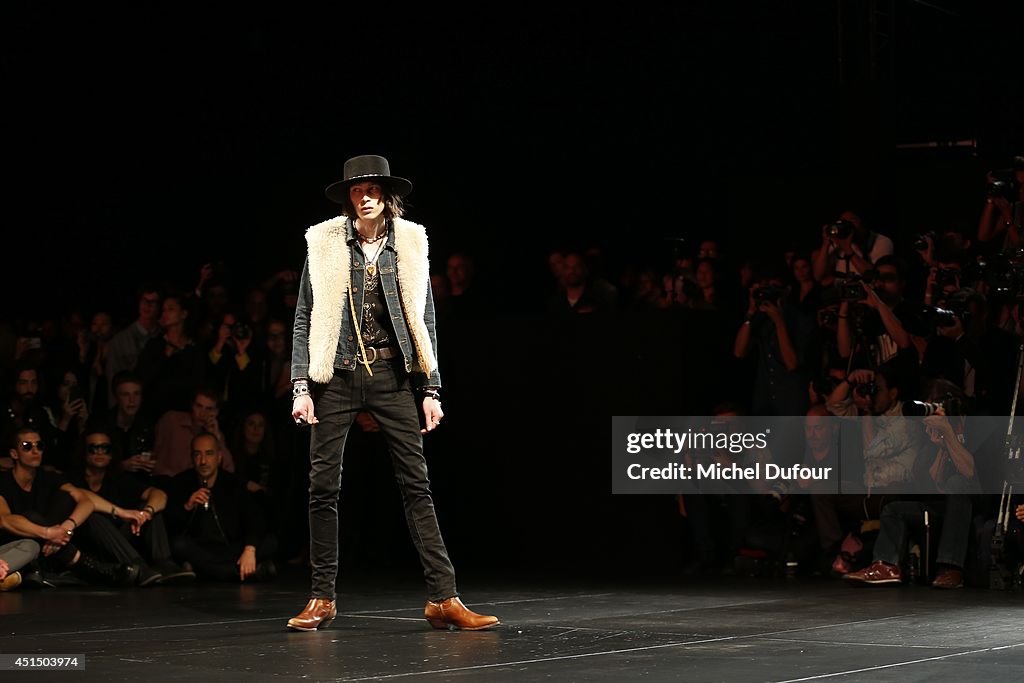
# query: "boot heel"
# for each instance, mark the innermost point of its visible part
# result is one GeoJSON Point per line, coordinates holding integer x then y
{"type": "Point", "coordinates": [325, 623]}
{"type": "Point", "coordinates": [439, 624]}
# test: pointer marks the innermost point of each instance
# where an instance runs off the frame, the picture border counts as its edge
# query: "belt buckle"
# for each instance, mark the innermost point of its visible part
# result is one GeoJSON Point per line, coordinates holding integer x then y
{"type": "Point", "coordinates": [373, 359]}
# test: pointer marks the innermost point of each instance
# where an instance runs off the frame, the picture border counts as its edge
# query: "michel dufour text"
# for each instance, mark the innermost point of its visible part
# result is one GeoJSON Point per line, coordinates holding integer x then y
{"type": "Point", "coordinates": [733, 442]}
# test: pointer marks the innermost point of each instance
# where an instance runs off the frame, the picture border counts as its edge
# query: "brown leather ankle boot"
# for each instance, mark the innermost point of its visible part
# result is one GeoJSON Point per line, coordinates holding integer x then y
{"type": "Point", "coordinates": [319, 613]}
{"type": "Point", "coordinates": [451, 613]}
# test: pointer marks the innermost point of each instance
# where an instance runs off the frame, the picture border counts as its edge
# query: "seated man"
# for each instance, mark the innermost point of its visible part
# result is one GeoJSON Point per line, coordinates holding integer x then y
{"type": "Point", "coordinates": [141, 530]}
{"type": "Point", "coordinates": [39, 504]}
{"type": "Point", "coordinates": [953, 471]}
{"type": "Point", "coordinates": [14, 556]}
{"type": "Point", "coordinates": [219, 529]}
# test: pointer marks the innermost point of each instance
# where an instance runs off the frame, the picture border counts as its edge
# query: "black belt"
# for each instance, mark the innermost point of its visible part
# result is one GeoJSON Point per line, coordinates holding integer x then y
{"type": "Point", "coordinates": [374, 353]}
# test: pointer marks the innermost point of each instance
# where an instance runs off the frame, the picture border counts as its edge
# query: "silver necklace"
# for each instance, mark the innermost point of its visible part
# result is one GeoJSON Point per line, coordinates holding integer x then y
{"type": "Point", "coordinates": [370, 240]}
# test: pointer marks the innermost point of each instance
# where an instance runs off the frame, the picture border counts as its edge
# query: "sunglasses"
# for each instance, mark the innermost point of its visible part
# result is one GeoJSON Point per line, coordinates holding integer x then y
{"type": "Point", "coordinates": [29, 445]}
{"type": "Point", "coordinates": [98, 447]}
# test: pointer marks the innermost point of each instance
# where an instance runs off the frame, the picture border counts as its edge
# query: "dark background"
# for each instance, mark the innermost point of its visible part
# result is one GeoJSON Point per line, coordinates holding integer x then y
{"type": "Point", "coordinates": [145, 142]}
{"type": "Point", "coordinates": [150, 140]}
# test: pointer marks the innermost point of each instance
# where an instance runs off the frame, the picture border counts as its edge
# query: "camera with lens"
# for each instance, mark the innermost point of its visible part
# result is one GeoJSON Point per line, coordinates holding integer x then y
{"type": "Point", "coordinates": [850, 288]}
{"type": "Point", "coordinates": [921, 241]}
{"type": "Point", "coordinates": [867, 390]}
{"type": "Point", "coordinates": [852, 291]}
{"type": "Point", "coordinates": [950, 404]}
{"type": "Point", "coordinates": [936, 317]}
{"type": "Point", "coordinates": [241, 331]}
{"type": "Point", "coordinates": [1002, 183]}
{"type": "Point", "coordinates": [947, 277]}
{"type": "Point", "coordinates": [771, 293]}
{"type": "Point", "coordinates": [840, 230]}
{"type": "Point", "coordinates": [1003, 273]}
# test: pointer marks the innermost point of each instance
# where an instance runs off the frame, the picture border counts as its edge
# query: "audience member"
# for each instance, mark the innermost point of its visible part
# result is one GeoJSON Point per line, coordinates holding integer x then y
{"type": "Point", "coordinates": [220, 529]}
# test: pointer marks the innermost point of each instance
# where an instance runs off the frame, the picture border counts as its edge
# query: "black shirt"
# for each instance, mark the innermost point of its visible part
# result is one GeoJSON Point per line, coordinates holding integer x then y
{"type": "Point", "coordinates": [377, 329]}
{"type": "Point", "coordinates": [233, 514]}
{"type": "Point", "coordinates": [45, 490]}
{"type": "Point", "coordinates": [120, 489]}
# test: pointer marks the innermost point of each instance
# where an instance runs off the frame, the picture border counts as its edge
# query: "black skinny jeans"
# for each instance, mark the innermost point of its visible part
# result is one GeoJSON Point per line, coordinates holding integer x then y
{"type": "Point", "coordinates": [389, 397]}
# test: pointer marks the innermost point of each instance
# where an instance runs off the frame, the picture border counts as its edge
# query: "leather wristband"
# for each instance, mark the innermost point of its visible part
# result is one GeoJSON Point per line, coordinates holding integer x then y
{"type": "Point", "coordinates": [300, 388]}
{"type": "Point", "coordinates": [432, 393]}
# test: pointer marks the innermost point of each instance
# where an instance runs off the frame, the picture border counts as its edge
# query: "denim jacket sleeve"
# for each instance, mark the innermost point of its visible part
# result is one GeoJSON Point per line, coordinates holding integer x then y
{"type": "Point", "coordinates": [300, 328]}
{"type": "Point", "coordinates": [419, 380]}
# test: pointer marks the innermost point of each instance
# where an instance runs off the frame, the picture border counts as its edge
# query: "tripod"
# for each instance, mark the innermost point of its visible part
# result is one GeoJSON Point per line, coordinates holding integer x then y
{"type": "Point", "coordinates": [1002, 576]}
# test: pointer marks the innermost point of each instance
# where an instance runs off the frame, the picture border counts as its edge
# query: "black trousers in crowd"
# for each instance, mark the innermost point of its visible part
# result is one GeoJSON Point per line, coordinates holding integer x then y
{"type": "Point", "coordinates": [389, 397]}
{"type": "Point", "coordinates": [215, 559]}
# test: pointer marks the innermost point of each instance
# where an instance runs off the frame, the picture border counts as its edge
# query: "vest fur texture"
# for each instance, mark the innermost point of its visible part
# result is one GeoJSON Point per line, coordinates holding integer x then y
{"type": "Point", "coordinates": [329, 278]}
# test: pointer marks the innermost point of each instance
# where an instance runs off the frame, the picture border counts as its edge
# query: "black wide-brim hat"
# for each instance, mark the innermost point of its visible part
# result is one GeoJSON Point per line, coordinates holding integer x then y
{"type": "Point", "coordinates": [364, 168]}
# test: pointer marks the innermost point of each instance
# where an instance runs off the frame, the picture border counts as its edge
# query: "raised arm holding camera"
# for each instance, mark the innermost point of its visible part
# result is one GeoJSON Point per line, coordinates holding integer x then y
{"type": "Point", "coordinates": [848, 246]}
{"type": "Point", "coordinates": [874, 316]}
{"type": "Point", "coordinates": [1004, 206]}
{"type": "Point", "coordinates": [780, 334]}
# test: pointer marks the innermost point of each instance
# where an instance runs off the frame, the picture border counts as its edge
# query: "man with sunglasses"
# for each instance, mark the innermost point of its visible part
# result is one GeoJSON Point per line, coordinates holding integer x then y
{"type": "Point", "coordinates": [43, 506]}
{"type": "Point", "coordinates": [140, 533]}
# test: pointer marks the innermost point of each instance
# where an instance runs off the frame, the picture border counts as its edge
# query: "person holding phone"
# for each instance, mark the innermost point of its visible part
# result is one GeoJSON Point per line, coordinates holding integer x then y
{"type": "Point", "coordinates": [70, 414]}
{"type": "Point", "coordinates": [369, 345]}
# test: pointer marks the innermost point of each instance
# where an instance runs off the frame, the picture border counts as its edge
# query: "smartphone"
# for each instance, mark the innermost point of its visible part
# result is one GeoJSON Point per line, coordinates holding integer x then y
{"type": "Point", "coordinates": [74, 393]}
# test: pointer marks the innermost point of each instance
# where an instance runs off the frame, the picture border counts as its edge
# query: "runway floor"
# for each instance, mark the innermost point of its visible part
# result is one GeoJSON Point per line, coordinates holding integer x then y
{"type": "Point", "coordinates": [713, 630]}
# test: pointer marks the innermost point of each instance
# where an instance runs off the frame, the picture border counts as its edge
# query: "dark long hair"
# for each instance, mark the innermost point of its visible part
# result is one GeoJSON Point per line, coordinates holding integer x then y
{"type": "Point", "coordinates": [393, 205]}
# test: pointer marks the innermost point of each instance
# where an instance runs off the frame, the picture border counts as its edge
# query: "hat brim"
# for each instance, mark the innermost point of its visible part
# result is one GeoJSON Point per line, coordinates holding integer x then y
{"type": "Point", "coordinates": [337, 192]}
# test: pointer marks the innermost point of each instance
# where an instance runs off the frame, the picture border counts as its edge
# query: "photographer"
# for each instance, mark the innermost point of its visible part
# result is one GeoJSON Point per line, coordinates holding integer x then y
{"type": "Point", "coordinates": [780, 334]}
{"type": "Point", "coordinates": [848, 246]}
{"type": "Point", "coordinates": [880, 304]}
{"type": "Point", "coordinates": [891, 444]}
{"type": "Point", "coordinates": [236, 372]}
{"type": "Point", "coordinates": [970, 352]}
{"type": "Point", "coordinates": [1001, 218]}
{"type": "Point", "coordinates": [952, 469]}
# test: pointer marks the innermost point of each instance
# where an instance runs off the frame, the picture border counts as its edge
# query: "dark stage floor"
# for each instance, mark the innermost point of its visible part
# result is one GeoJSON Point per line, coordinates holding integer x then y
{"type": "Point", "coordinates": [722, 630]}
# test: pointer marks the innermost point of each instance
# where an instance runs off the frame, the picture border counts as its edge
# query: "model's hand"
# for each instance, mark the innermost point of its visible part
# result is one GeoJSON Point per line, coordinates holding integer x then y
{"type": "Point", "coordinates": [1020, 512]}
{"type": "Point", "coordinates": [302, 408]}
{"type": "Point", "coordinates": [433, 413]}
{"type": "Point", "coordinates": [247, 563]}
{"type": "Point", "coordinates": [4, 568]}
